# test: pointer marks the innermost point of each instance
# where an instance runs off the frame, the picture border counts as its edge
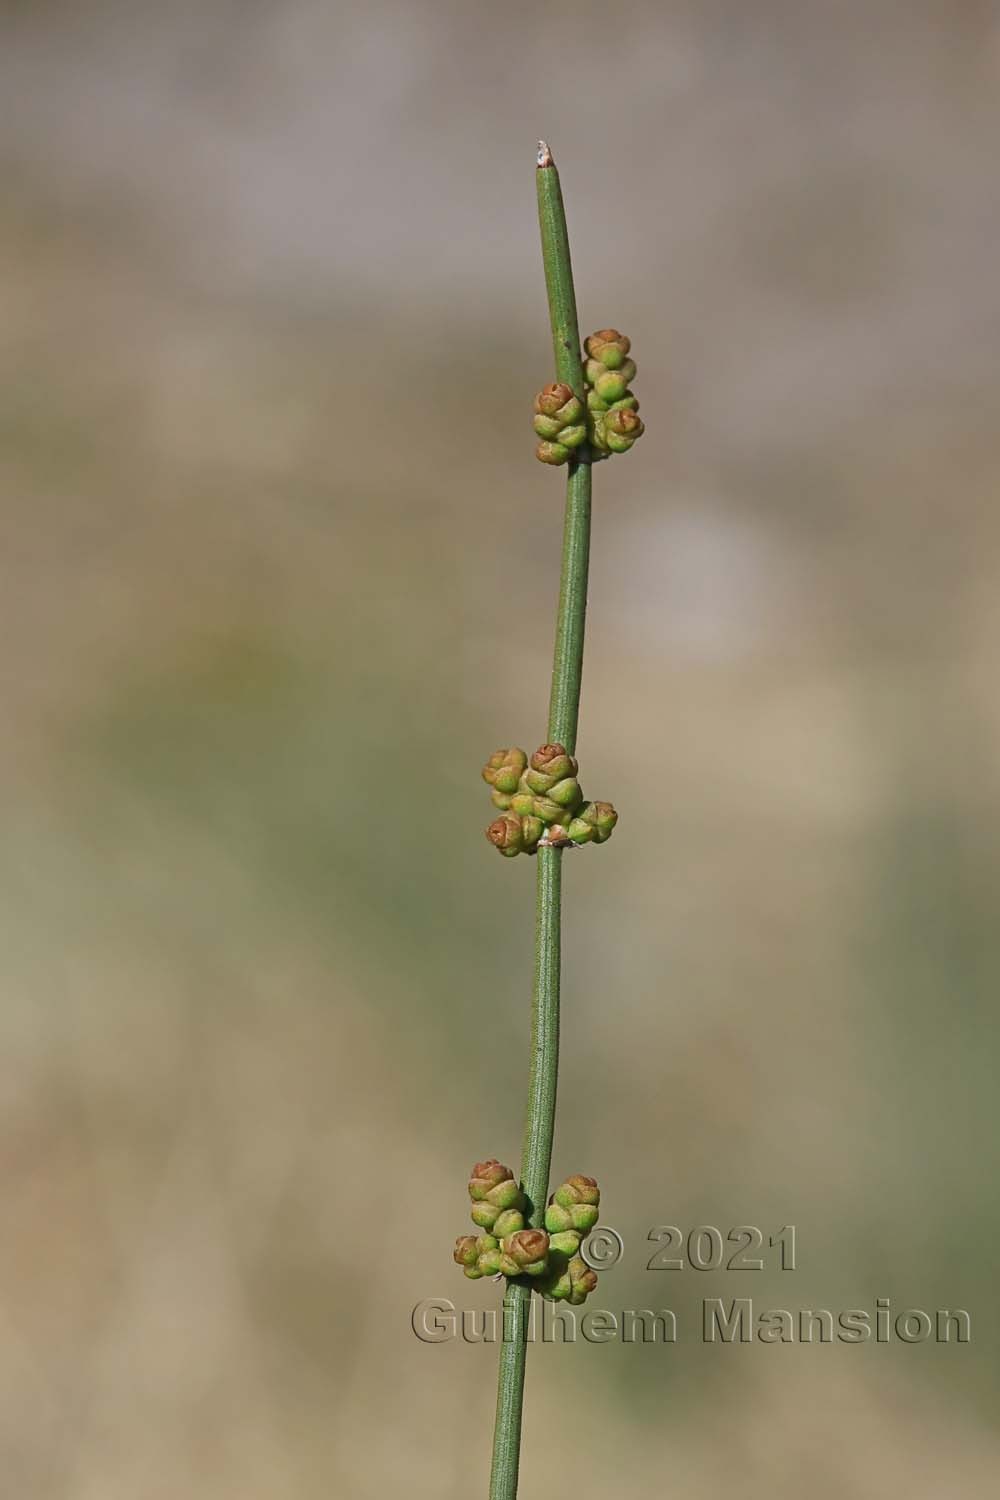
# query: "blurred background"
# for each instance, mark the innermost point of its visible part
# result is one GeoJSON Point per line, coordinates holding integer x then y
{"type": "Point", "coordinates": [280, 572]}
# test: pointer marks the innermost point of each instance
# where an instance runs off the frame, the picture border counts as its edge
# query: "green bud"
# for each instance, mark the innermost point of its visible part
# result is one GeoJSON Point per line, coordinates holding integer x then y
{"type": "Point", "coordinates": [550, 812]}
{"type": "Point", "coordinates": [466, 1250]}
{"type": "Point", "coordinates": [488, 1263]}
{"type": "Point", "coordinates": [558, 1219]}
{"type": "Point", "coordinates": [473, 1272]}
{"type": "Point", "coordinates": [557, 1284]}
{"type": "Point", "coordinates": [580, 831]}
{"type": "Point", "coordinates": [583, 1280]}
{"type": "Point", "coordinates": [608, 346]}
{"type": "Point", "coordinates": [611, 385]}
{"type": "Point", "coordinates": [506, 835]}
{"type": "Point", "coordinates": [566, 1243]}
{"type": "Point", "coordinates": [596, 432]}
{"type": "Point", "coordinates": [567, 793]}
{"type": "Point", "coordinates": [528, 1249]}
{"type": "Point", "coordinates": [552, 453]}
{"type": "Point", "coordinates": [509, 1222]}
{"type": "Point", "coordinates": [584, 1216]}
{"type": "Point", "coordinates": [486, 1242]}
{"type": "Point", "coordinates": [557, 1287]}
{"type": "Point", "coordinates": [547, 427]}
{"type": "Point", "coordinates": [501, 800]}
{"type": "Point", "coordinates": [506, 1195]}
{"type": "Point", "coordinates": [504, 768]}
{"type": "Point", "coordinates": [486, 1176]}
{"type": "Point", "coordinates": [523, 804]}
{"type": "Point", "coordinates": [532, 829]}
{"type": "Point", "coordinates": [484, 1215]}
{"type": "Point", "coordinates": [572, 437]}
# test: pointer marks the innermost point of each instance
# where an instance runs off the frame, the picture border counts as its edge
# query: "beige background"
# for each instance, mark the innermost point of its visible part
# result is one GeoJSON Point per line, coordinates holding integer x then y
{"type": "Point", "coordinates": [279, 571]}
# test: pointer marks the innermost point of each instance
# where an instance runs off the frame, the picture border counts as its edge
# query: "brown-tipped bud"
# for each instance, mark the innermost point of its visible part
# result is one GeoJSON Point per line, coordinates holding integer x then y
{"type": "Point", "coordinates": [528, 1249]}
{"type": "Point", "coordinates": [602, 818]}
{"type": "Point", "coordinates": [486, 1175]}
{"type": "Point", "coordinates": [583, 1280]}
{"type": "Point", "coordinates": [553, 761]}
{"type": "Point", "coordinates": [609, 346]}
{"type": "Point", "coordinates": [556, 837]}
{"type": "Point", "coordinates": [561, 424]}
{"type": "Point", "coordinates": [466, 1250]}
{"type": "Point", "coordinates": [621, 428]}
{"type": "Point", "coordinates": [504, 768]}
{"type": "Point", "coordinates": [552, 398]}
{"type": "Point", "coordinates": [578, 1189]}
{"type": "Point", "coordinates": [505, 834]}
{"type": "Point", "coordinates": [575, 1204]}
{"type": "Point", "coordinates": [493, 1191]}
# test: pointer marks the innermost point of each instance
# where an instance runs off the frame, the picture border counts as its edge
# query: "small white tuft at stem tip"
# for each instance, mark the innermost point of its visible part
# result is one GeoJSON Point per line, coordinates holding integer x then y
{"type": "Point", "coordinates": [544, 155]}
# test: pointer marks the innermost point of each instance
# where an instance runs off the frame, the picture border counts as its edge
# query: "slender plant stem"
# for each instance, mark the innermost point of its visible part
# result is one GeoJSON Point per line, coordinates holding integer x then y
{"type": "Point", "coordinates": [564, 710]}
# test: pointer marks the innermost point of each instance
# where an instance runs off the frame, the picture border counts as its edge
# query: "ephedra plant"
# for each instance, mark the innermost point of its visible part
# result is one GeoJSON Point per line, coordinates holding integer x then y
{"type": "Point", "coordinates": [588, 414]}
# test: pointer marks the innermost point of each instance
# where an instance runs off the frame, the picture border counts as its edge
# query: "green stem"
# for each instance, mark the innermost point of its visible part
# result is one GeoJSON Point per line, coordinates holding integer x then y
{"type": "Point", "coordinates": [564, 710]}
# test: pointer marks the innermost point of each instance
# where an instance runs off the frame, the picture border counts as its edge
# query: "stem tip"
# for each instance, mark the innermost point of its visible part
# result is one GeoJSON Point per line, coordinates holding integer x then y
{"type": "Point", "coordinates": [544, 155]}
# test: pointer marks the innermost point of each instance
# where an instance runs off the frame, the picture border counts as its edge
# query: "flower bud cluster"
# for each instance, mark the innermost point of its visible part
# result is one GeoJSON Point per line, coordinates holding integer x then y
{"type": "Point", "coordinates": [613, 422]}
{"type": "Point", "coordinates": [540, 802]}
{"type": "Point", "coordinates": [507, 1246]}
{"type": "Point", "coordinates": [571, 1214]}
{"type": "Point", "coordinates": [504, 1245]}
{"type": "Point", "coordinates": [560, 421]}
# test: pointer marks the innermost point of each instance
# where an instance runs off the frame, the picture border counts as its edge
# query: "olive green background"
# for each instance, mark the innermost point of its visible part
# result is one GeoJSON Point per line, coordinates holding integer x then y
{"type": "Point", "coordinates": [280, 571]}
